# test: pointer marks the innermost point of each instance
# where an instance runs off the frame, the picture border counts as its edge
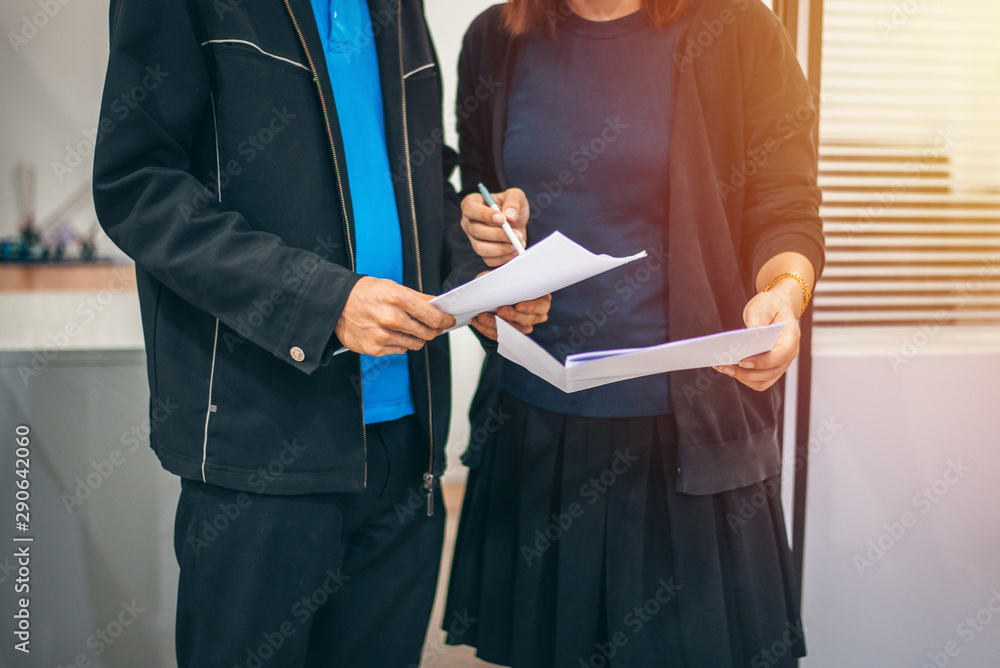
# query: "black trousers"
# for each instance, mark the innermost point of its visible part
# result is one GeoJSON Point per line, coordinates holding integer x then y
{"type": "Point", "coordinates": [331, 580]}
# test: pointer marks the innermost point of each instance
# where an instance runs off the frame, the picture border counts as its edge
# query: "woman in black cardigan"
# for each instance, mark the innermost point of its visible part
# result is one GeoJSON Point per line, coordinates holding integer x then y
{"type": "Point", "coordinates": [639, 523]}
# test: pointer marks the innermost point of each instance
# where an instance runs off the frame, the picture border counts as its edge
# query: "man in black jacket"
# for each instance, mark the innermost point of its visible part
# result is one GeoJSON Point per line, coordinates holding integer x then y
{"type": "Point", "coordinates": [225, 170]}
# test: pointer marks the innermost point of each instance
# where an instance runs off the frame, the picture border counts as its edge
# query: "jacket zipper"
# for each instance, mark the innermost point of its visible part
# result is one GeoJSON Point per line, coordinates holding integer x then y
{"type": "Point", "coordinates": [343, 206]}
{"type": "Point", "coordinates": [429, 476]}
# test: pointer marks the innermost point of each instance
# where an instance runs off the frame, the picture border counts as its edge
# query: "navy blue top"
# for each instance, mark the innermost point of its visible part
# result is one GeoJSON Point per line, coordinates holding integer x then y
{"type": "Point", "coordinates": [588, 136]}
{"type": "Point", "coordinates": [354, 76]}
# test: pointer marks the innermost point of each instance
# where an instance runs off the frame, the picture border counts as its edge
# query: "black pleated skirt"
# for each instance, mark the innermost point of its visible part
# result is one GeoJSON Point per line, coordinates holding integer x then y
{"type": "Point", "coordinates": [576, 550]}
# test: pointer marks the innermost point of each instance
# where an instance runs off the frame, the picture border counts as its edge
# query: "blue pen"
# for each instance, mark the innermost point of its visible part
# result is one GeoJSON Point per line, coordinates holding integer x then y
{"type": "Point", "coordinates": [506, 226]}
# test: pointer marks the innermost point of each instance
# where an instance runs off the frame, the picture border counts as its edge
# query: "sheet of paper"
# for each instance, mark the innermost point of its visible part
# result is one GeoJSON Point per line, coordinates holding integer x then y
{"type": "Point", "coordinates": [554, 263]}
{"type": "Point", "coordinates": [551, 264]}
{"type": "Point", "coordinates": [583, 371]}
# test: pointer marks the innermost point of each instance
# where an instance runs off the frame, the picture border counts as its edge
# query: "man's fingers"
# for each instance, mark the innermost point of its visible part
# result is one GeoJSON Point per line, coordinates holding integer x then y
{"type": "Point", "coordinates": [389, 342]}
{"type": "Point", "coordinates": [404, 342]}
{"type": "Point", "coordinates": [413, 314]}
{"type": "Point", "coordinates": [429, 316]}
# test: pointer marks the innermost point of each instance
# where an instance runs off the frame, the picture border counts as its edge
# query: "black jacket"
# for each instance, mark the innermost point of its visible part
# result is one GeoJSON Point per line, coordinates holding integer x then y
{"type": "Point", "coordinates": [742, 189]}
{"type": "Point", "coordinates": [220, 170]}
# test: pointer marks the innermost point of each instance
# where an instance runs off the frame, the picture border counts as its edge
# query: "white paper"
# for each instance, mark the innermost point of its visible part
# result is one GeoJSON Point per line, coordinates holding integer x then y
{"type": "Point", "coordinates": [583, 371]}
{"type": "Point", "coordinates": [554, 263]}
{"type": "Point", "coordinates": [549, 265]}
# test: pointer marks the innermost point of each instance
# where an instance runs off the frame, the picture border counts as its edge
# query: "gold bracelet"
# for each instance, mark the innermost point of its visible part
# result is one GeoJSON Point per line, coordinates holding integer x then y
{"type": "Point", "coordinates": [806, 291]}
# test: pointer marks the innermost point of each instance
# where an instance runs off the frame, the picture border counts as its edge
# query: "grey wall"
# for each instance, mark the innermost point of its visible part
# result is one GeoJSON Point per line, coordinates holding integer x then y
{"type": "Point", "coordinates": [903, 535]}
{"type": "Point", "coordinates": [101, 514]}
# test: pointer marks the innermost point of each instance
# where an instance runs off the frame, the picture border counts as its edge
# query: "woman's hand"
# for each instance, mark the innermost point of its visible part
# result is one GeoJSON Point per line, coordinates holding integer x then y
{"type": "Point", "coordinates": [524, 316]}
{"type": "Point", "coordinates": [483, 225]}
{"type": "Point", "coordinates": [780, 304]}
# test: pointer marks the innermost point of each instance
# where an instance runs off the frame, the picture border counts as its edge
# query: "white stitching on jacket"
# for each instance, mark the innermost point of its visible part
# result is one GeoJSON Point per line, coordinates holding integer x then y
{"type": "Point", "coordinates": [243, 41]}
{"type": "Point", "coordinates": [215, 340]}
{"type": "Point", "coordinates": [419, 69]}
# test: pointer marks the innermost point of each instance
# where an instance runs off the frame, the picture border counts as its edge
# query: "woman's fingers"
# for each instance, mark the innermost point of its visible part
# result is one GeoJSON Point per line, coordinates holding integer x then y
{"type": "Point", "coordinates": [483, 226]}
{"type": "Point", "coordinates": [538, 306]}
{"type": "Point", "coordinates": [785, 350]}
{"type": "Point", "coordinates": [758, 380]}
{"type": "Point", "coordinates": [485, 324]}
{"type": "Point", "coordinates": [525, 315]}
{"type": "Point", "coordinates": [514, 204]}
{"type": "Point", "coordinates": [487, 232]}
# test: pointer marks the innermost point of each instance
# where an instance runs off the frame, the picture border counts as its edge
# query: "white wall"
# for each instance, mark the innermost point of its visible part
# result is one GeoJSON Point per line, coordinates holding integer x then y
{"type": "Point", "coordinates": [52, 78]}
{"type": "Point", "coordinates": [50, 97]}
{"type": "Point", "coordinates": [902, 532]}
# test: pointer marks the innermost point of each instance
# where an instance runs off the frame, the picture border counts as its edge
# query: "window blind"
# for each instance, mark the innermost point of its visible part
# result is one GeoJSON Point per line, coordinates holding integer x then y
{"type": "Point", "coordinates": [910, 163]}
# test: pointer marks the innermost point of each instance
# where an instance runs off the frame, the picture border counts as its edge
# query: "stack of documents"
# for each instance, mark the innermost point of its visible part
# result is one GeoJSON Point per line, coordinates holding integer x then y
{"type": "Point", "coordinates": [583, 371]}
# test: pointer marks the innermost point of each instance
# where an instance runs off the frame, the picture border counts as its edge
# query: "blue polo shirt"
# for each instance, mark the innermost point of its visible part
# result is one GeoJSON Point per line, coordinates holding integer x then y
{"type": "Point", "coordinates": [346, 31]}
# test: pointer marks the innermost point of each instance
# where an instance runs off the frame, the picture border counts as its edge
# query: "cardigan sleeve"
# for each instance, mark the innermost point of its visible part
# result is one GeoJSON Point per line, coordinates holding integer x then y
{"type": "Point", "coordinates": [781, 196]}
{"type": "Point", "coordinates": [474, 103]}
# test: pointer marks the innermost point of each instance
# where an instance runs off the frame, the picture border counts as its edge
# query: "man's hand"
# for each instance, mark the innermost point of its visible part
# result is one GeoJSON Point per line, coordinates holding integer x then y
{"type": "Point", "coordinates": [382, 317]}
{"type": "Point", "coordinates": [780, 304]}
{"type": "Point", "coordinates": [483, 225]}
{"type": "Point", "coordinates": [524, 316]}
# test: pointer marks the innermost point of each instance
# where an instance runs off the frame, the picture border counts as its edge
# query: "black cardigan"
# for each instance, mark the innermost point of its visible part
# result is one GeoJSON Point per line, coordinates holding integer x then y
{"type": "Point", "coordinates": [742, 189]}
